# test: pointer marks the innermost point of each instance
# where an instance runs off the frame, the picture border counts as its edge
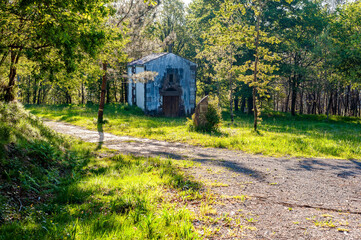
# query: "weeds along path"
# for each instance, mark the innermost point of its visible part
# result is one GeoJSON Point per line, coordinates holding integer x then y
{"type": "Point", "coordinates": [257, 197]}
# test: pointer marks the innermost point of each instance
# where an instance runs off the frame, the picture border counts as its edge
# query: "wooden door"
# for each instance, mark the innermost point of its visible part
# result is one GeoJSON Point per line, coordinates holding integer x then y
{"type": "Point", "coordinates": [171, 106]}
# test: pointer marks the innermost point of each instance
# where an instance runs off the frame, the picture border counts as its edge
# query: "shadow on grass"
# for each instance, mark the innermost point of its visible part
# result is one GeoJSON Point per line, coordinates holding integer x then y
{"type": "Point", "coordinates": [213, 133]}
{"type": "Point", "coordinates": [83, 209]}
{"type": "Point", "coordinates": [307, 124]}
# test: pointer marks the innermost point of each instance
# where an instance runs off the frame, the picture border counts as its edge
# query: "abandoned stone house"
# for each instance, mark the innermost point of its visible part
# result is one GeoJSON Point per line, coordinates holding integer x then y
{"type": "Point", "coordinates": [172, 93]}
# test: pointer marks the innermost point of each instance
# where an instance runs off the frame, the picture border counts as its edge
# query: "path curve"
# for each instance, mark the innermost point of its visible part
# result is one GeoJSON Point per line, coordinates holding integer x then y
{"type": "Point", "coordinates": [287, 196]}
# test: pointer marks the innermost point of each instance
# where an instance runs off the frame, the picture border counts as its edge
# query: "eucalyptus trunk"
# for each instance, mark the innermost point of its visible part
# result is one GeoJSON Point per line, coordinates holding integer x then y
{"type": "Point", "coordinates": [254, 92]}
{"type": "Point", "coordinates": [231, 97]}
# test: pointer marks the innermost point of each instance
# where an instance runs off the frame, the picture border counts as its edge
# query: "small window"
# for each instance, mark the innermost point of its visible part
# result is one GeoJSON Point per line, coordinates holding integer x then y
{"type": "Point", "coordinates": [171, 78]}
{"type": "Point", "coordinates": [133, 69]}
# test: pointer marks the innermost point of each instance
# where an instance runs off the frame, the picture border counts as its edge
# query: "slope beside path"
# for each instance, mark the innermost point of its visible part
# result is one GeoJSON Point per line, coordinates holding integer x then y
{"type": "Point", "coordinates": [286, 198]}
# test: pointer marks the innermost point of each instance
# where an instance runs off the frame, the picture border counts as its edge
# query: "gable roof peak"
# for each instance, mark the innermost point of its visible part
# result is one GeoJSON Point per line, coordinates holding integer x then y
{"type": "Point", "coordinates": [154, 56]}
{"type": "Point", "coordinates": [148, 58]}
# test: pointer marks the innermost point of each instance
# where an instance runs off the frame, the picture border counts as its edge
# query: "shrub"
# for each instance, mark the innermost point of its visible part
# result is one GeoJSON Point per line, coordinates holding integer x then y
{"type": "Point", "coordinates": [213, 119]}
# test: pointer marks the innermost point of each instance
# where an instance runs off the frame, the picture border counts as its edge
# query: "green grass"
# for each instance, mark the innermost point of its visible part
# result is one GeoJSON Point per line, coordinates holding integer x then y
{"type": "Point", "coordinates": [52, 187]}
{"type": "Point", "coordinates": [121, 197]}
{"type": "Point", "coordinates": [280, 134]}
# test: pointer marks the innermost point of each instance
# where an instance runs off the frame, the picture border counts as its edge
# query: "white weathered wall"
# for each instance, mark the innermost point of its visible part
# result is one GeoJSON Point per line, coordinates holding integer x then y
{"type": "Point", "coordinates": [140, 95]}
{"type": "Point", "coordinates": [139, 88]}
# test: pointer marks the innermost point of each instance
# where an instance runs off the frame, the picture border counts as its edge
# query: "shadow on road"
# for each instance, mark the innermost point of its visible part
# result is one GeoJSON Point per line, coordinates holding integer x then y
{"type": "Point", "coordinates": [345, 169]}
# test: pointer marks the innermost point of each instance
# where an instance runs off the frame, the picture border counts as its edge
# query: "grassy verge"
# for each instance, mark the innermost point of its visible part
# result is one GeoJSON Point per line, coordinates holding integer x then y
{"type": "Point", "coordinates": [57, 188]}
{"type": "Point", "coordinates": [280, 134]}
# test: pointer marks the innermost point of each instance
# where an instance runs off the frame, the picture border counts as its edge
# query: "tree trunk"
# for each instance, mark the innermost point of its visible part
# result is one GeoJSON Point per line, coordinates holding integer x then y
{"type": "Point", "coordinates": [102, 95]}
{"type": "Point", "coordinates": [313, 111]}
{"type": "Point", "coordinates": [255, 111]}
{"type": "Point", "coordinates": [68, 97]}
{"type": "Point", "coordinates": [107, 92]}
{"type": "Point", "coordinates": [329, 105]}
{"type": "Point", "coordinates": [254, 91]}
{"type": "Point", "coordinates": [10, 91]}
{"type": "Point", "coordinates": [250, 105]}
{"type": "Point", "coordinates": [231, 97]}
{"type": "Point", "coordinates": [82, 92]}
{"type": "Point", "coordinates": [125, 93]}
{"type": "Point", "coordinates": [320, 109]}
{"type": "Point", "coordinates": [275, 102]}
{"type": "Point", "coordinates": [236, 104]}
{"type": "Point", "coordinates": [355, 100]}
{"type": "Point", "coordinates": [122, 89]}
{"type": "Point", "coordinates": [115, 90]}
{"type": "Point", "coordinates": [28, 93]}
{"type": "Point", "coordinates": [45, 93]}
{"type": "Point", "coordinates": [294, 96]}
{"type": "Point", "coordinates": [288, 96]}
{"type": "Point", "coordinates": [301, 102]}
{"type": "Point", "coordinates": [218, 93]}
{"type": "Point", "coordinates": [39, 95]}
{"type": "Point", "coordinates": [243, 105]}
{"type": "Point", "coordinates": [347, 100]}
{"type": "Point", "coordinates": [35, 90]}
{"type": "Point", "coordinates": [335, 102]}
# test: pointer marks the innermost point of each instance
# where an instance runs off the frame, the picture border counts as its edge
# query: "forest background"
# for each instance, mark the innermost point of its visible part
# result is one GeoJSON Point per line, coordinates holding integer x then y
{"type": "Point", "coordinates": [298, 56]}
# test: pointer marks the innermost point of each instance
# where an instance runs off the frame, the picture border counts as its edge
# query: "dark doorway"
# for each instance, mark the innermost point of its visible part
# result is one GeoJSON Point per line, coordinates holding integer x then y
{"type": "Point", "coordinates": [171, 106]}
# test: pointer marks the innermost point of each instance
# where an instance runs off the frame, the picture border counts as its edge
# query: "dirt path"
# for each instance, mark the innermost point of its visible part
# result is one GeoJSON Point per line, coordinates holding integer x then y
{"type": "Point", "coordinates": [259, 197]}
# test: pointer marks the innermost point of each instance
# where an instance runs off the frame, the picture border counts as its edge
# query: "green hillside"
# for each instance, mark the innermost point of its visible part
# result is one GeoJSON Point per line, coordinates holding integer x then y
{"type": "Point", "coordinates": [52, 187]}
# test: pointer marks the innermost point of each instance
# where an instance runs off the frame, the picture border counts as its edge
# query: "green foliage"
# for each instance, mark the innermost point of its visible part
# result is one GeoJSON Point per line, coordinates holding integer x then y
{"type": "Point", "coordinates": [347, 37]}
{"type": "Point", "coordinates": [298, 25]}
{"type": "Point", "coordinates": [232, 37]}
{"type": "Point", "coordinates": [170, 26]}
{"type": "Point", "coordinates": [60, 32]}
{"type": "Point", "coordinates": [200, 14]}
{"type": "Point", "coordinates": [212, 117]}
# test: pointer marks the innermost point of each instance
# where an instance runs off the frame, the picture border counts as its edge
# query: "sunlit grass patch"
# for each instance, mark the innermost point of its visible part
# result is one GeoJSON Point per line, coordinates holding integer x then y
{"type": "Point", "coordinates": [280, 133]}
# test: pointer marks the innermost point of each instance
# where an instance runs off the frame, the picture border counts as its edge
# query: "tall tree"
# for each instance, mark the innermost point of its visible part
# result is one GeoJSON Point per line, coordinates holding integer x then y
{"type": "Point", "coordinates": [298, 24]}
{"type": "Point", "coordinates": [169, 26]}
{"type": "Point", "coordinates": [199, 20]}
{"type": "Point", "coordinates": [347, 37]}
{"type": "Point", "coordinates": [33, 28]}
{"type": "Point", "coordinates": [113, 53]}
{"type": "Point", "coordinates": [231, 36]}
